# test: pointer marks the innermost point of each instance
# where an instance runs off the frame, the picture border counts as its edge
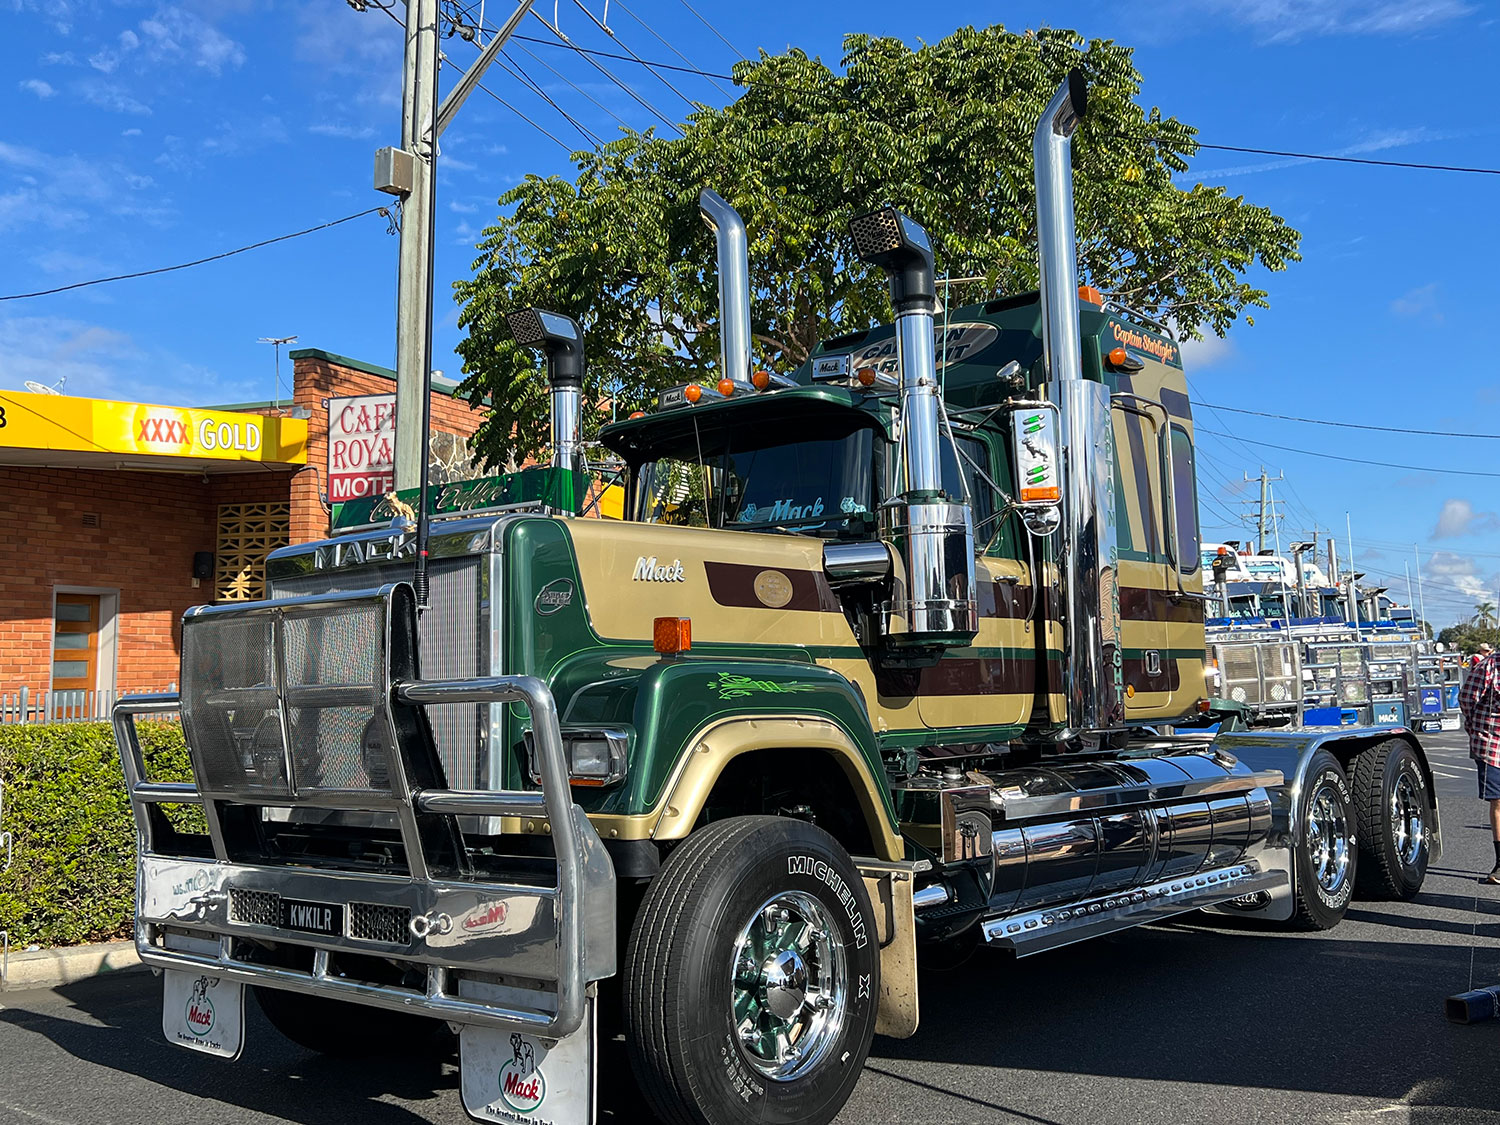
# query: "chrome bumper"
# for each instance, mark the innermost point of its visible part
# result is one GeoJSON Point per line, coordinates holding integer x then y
{"type": "Point", "coordinates": [547, 941]}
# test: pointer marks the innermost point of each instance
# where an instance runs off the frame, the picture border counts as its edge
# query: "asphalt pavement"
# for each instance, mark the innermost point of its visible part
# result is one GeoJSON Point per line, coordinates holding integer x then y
{"type": "Point", "coordinates": [1191, 1021]}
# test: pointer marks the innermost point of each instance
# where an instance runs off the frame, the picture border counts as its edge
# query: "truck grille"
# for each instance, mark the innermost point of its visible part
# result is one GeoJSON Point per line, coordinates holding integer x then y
{"type": "Point", "coordinates": [371, 922]}
{"type": "Point", "coordinates": [255, 908]}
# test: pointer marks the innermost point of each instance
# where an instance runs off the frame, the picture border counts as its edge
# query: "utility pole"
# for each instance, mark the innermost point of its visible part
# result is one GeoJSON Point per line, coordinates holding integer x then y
{"type": "Point", "coordinates": [414, 279]}
{"type": "Point", "coordinates": [1267, 509]}
{"type": "Point", "coordinates": [410, 172]}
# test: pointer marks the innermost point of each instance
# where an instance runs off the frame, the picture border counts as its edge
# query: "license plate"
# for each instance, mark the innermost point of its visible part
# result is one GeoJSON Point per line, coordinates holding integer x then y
{"type": "Point", "coordinates": [312, 917]}
{"type": "Point", "coordinates": [517, 1078]}
{"type": "Point", "coordinates": [203, 1012]}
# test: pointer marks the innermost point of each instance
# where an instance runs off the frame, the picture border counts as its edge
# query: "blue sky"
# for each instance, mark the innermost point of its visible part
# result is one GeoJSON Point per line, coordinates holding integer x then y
{"type": "Point", "coordinates": [143, 134]}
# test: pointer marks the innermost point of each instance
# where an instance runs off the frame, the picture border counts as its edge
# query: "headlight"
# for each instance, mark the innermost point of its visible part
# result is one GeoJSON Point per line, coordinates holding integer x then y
{"type": "Point", "coordinates": [595, 757]}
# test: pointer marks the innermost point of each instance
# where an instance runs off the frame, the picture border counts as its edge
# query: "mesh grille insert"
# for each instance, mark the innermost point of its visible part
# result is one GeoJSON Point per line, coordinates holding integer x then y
{"type": "Point", "coordinates": [371, 922]}
{"type": "Point", "coordinates": [255, 908]}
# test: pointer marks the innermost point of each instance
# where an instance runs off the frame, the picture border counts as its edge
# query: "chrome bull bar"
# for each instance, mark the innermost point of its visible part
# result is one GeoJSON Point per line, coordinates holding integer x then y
{"type": "Point", "coordinates": [187, 918]}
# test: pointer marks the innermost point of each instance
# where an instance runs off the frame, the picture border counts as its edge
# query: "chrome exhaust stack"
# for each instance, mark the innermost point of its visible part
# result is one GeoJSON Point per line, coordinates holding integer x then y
{"type": "Point", "coordinates": [1088, 550]}
{"type": "Point", "coordinates": [561, 339]}
{"type": "Point", "coordinates": [933, 534]}
{"type": "Point", "coordinates": [734, 284]}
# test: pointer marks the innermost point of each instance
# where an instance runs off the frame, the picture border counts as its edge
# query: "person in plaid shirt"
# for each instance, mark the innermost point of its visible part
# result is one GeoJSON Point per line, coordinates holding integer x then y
{"type": "Point", "coordinates": [1479, 703]}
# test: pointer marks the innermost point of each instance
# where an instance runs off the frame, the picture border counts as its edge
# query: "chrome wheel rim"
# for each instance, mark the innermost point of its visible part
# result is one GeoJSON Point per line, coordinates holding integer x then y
{"type": "Point", "coordinates": [788, 986]}
{"type": "Point", "coordinates": [1328, 842]}
{"type": "Point", "coordinates": [1408, 820]}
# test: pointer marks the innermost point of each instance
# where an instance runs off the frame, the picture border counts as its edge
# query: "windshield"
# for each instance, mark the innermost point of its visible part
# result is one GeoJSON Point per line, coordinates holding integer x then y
{"type": "Point", "coordinates": [760, 482]}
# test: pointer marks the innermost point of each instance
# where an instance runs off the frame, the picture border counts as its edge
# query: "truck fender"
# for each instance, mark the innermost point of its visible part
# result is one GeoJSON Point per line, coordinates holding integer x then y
{"type": "Point", "coordinates": [1291, 752]}
{"type": "Point", "coordinates": [714, 746]}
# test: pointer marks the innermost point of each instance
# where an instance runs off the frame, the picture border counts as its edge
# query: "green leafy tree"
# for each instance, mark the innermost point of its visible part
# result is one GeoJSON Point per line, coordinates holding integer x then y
{"type": "Point", "coordinates": [1484, 614]}
{"type": "Point", "coordinates": [1467, 637]}
{"type": "Point", "coordinates": [943, 132]}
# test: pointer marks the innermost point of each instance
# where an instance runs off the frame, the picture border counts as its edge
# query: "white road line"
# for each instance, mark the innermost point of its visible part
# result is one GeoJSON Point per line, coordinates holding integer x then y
{"type": "Point", "coordinates": [34, 1116]}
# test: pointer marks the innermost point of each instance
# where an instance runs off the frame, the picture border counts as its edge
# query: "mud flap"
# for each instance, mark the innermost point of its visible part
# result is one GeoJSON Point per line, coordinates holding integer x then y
{"type": "Point", "coordinates": [525, 1080]}
{"type": "Point", "coordinates": [203, 1013]}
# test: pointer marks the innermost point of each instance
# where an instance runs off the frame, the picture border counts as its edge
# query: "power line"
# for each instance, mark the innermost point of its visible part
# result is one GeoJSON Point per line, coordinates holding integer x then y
{"type": "Point", "coordinates": [607, 31]}
{"type": "Point", "coordinates": [543, 62]}
{"type": "Point", "coordinates": [610, 75]}
{"type": "Point", "coordinates": [1355, 460]}
{"type": "Point", "coordinates": [691, 65]}
{"type": "Point", "coordinates": [714, 29]}
{"type": "Point", "coordinates": [1355, 160]}
{"type": "Point", "coordinates": [552, 137]}
{"type": "Point", "coordinates": [515, 70]}
{"type": "Point", "coordinates": [385, 211]}
{"type": "Point", "coordinates": [568, 46]}
{"type": "Point", "coordinates": [1351, 425]}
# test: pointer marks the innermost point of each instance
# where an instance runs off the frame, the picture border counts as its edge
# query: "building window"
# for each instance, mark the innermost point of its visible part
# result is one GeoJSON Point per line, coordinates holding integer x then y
{"type": "Point", "coordinates": [247, 534]}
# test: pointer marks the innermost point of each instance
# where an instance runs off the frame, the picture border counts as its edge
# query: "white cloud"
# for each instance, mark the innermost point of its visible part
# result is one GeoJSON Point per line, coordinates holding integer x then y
{"type": "Point", "coordinates": [102, 362]}
{"type": "Point", "coordinates": [111, 97]}
{"type": "Point", "coordinates": [1418, 302]}
{"type": "Point", "coordinates": [461, 208]}
{"type": "Point", "coordinates": [1285, 21]}
{"type": "Point", "coordinates": [1458, 517]}
{"type": "Point", "coordinates": [130, 132]}
{"type": "Point", "coordinates": [174, 34]}
{"type": "Point", "coordinates": [59, 58]}
{"type": "Point", "coordinates": [54, 191]}
{"type": "Point", "coordinates": [1377, 142]}
{"type": "Point", "coordinates": [340, 129]}
{"type": "Point", "coordinates": [1212, 349]}
{"type": "Point", "coordinates": [38, 87]}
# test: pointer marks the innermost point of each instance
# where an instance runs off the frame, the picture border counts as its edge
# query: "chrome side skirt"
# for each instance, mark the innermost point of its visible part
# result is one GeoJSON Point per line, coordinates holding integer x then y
{"type": "Point", "coordinates": [1039, 930]}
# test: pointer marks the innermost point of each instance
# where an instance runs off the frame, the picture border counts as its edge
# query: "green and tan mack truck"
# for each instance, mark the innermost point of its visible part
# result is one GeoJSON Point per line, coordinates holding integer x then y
{"type": "Point", "coordinates": [894, 658]}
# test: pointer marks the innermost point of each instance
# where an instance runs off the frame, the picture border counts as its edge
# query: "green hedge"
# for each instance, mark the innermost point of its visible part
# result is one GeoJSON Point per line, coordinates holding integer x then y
{"type": "Point", "coordinates": [73, 875]}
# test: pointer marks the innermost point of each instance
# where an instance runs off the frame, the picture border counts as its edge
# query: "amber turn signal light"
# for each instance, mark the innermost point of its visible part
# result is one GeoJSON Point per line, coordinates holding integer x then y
{"type": "Point", "coordinates": [761, 379]}
{"type": "Point", "coordinates": [726, 387]}
{"type": "Point", "coordinates": [692, 392]}
{"type": "Point", "coordinates": [672, 635]}
{"type": "Point", "coordinates": [1122, 360]}
{"type": "Point", "coordinates": [1204, 707]}
{"type": "Point", "coordinates": [866, 376]}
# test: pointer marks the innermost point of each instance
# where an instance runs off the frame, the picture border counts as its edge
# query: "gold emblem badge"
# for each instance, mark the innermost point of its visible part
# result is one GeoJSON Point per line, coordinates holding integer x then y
{"type": "Point", "coordinates": [773, 588]}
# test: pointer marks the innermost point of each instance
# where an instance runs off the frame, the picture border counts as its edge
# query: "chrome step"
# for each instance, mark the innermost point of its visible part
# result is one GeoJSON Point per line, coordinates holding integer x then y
{"type": "Point", "coordinates": [1054, 926]}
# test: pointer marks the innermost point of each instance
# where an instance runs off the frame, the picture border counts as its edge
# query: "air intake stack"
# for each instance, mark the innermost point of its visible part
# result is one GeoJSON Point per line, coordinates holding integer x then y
{"type": "Point", "coordinates": [561, 339]}
{"type": "Point", "coordinates": [734, 284]}
{"type": "Point", "coordinates": [933, 533]}
{"type": "Point", "coordinates": [1088, 551]}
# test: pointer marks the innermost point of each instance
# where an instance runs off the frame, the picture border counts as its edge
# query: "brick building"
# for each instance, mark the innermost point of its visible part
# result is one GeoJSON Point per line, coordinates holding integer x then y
{"type": "Point", "coordinates": [120, 517]}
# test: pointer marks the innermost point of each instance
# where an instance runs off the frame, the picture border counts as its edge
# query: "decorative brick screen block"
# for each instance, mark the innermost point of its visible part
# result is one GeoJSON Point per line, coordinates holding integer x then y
{"type": "Point", "coordinates": [247, 534]}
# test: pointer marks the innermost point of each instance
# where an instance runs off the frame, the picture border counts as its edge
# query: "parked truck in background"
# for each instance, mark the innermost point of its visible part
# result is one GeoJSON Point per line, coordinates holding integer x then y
{"type": "Point", "coordinates": [892, 658]}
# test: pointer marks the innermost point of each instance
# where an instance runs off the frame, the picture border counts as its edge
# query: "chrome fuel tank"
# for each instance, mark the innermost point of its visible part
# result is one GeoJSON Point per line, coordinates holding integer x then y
{"type": "Point", "coordinates": [1069, 831]}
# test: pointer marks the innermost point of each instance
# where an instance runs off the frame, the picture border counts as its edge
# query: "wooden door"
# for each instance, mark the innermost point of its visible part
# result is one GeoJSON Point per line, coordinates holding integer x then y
{"type": "Point", "coordinates": [75, 642]}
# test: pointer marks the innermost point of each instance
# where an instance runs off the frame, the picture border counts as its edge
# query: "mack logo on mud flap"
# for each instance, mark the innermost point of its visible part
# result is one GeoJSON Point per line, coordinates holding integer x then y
{"type": "Point", "coordinates": [819, 870]}
{"type": "Point", "coordinates": [649, 570]}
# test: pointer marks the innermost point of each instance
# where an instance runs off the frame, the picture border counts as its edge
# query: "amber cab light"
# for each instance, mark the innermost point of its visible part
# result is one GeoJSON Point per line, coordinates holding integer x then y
{"type": "Point", "coordinates": [726, 387]}
{"type": "Point", "coordinates": [672, 635]}
{"type": "Point", "coordinates": [866, 376]}
{"type": "Point", "coordinates": [1090, 294]}
{"type": "Point", "coordinates": [761, 379]}
{"type": "Point", "coordinates": [692, 392]}
{"type": "Point", "coordinates": [634, 414]}
{"type": "Point", "coordinates": [1117, 357]}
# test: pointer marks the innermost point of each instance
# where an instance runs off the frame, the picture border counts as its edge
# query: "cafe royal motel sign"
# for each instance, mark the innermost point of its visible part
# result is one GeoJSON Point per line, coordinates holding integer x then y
{"type": "Point", "coordinates": [58, 431]}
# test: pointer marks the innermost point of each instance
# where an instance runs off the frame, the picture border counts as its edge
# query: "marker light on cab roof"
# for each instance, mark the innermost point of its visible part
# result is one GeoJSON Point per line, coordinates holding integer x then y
{"type": "Point", "coordinates": [692, 392]}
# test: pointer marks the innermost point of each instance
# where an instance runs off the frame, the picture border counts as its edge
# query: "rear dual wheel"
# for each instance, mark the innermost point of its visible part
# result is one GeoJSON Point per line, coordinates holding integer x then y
{"type": "Point", "coordinates": [1393, 808]}
{"type": "Point", "coordinates": [752, 977]}
{"type": "Point", "coordinates": [1326, 853]}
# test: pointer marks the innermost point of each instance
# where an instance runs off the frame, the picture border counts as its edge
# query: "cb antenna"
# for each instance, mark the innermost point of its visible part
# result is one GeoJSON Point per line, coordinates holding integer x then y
{"type": "Point", "coordinates": [276, 342]}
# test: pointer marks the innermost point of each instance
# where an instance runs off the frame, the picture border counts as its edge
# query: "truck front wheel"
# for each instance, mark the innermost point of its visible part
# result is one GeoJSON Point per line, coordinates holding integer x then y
{"type": "Point", "coordinates": [752, 977]}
